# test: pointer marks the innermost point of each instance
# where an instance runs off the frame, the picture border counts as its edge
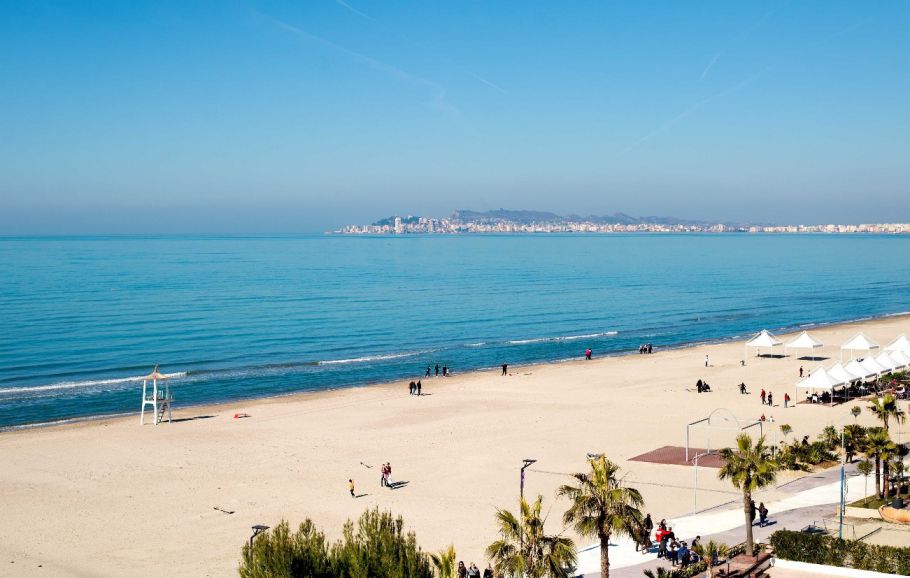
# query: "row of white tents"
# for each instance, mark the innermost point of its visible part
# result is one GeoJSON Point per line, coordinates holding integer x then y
{"type": "Point", "coordinates": [894, 357]}
{"type": "Point", "coordinates": [859, 343]}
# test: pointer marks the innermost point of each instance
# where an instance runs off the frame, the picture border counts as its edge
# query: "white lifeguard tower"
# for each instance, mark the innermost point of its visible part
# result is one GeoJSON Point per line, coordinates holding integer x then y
{"type": "Point", "coordinates": [159, 398]}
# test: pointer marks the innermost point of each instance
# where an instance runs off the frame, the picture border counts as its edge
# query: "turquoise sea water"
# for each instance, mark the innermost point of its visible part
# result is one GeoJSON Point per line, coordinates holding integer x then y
{"type": "Point", "coordinates": [248, 317]}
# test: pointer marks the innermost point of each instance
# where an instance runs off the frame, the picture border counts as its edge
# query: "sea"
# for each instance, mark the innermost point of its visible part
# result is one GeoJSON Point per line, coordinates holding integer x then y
{"type": "Point", "coordinates": [232, 318]}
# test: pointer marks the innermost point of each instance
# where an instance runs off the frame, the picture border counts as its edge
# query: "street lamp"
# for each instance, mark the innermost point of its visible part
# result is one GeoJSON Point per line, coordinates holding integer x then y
{"type": "Point", "coordinates": [257, 529]}
{"type": "Point", "coordinates": [526, 462]}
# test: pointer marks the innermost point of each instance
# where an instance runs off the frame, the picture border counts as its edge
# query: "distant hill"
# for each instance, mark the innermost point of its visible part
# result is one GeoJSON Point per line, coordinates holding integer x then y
{"type": "Point", "coordinates": [528, 217]}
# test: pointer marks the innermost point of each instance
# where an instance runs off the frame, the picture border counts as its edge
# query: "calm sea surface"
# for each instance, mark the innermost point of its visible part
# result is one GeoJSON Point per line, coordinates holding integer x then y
{"type": "Point", "coordinates": [248, 317]}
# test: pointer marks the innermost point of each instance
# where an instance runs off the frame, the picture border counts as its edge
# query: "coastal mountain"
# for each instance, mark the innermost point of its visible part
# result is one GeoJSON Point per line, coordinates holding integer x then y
{"type": "Point", "coordinates": [524, 217]}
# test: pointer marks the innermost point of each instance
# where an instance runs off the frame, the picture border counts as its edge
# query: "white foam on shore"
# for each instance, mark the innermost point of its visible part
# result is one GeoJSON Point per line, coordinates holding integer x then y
{"type": "Point", "coordinates": [564, 338]}
{"type": "Point", "coordinates": [83, 384]}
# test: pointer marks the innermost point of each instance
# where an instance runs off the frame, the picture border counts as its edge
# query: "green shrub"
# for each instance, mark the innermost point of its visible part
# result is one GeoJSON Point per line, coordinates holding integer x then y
{"type": "Point", "coordinates": [377, 546]}
{"type": "Point", "coordinates": [827, 550]}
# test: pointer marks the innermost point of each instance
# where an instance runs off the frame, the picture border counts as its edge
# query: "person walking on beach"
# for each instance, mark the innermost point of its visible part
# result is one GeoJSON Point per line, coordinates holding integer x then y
{"type": "Point", "coordinates": [411, 387]}
{"type": "Point", "coordinates": [770, 399]}
{"type": "Point", "coordinates": [388, 475]}
{"type": "Point", "coordinates": [437, 370]}
{"type": "Point", "coordinates": [706, 360]}
{"type": "Point", "coordinates": [800, 370]}
{"type": "Point", "coordinates": [351, 488]}
{"type": "Point", "coordinates": [763, 396]}
{"type": "Point", "coordinates": [786, 400]}
{"type": "Point", "coordinates": [505, 368]}
{"type": "Point", "coordinates": [383, 480]}
{"type": "Point", "coordinates": [650, 348]}
{"type": "Point", "coordinates": [588, 354]}
{"type": "Point", "coordinates": [428, 372]}
{"type": "Point", "coordinates": [418, 387]}
{"type": "Point", "coordinates": [445, 370]}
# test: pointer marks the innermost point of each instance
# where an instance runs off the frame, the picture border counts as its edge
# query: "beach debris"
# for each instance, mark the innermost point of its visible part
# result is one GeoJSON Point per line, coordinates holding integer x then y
{"type": "Point", "coordinates": [241, 415]}
{"type": "Point", "coordinates": [365, 465]}
{"type": "Point", "coordinates": [223, 510]}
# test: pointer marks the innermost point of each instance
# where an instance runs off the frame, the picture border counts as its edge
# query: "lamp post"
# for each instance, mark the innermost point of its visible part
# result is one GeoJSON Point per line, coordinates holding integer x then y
{"type": "Point", "coordinates": [257, 529]}
{"type": "Point", "coordinates": [525, 463]}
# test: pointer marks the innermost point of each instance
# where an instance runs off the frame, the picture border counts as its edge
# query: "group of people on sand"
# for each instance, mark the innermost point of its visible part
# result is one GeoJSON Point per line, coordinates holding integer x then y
{"type": "Point", "coordinates": [386, 476]}
{"type": "Point", "coordinates": [702, 386]}
{"type": "Point", "coordinates": [445, 371]}
{"type": "Point", "coordinates": [473, 571]}
{"type": "Point", "coordinates": [646, 348]}
{"type": "Point", "coordinates": [414, 387]}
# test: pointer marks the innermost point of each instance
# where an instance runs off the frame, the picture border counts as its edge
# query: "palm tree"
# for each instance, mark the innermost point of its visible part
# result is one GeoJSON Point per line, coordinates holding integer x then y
{"type": "Point", "coordinates": [444, 562]}
{"type": "Point", "coordinates": [885, 408]}
{"type": "Point", "coordinates": [710, 552]}
{"type": "Point", "coordinates": [865, 468]}
{"type": "Point", "coordinates": [879, 448]}
{"type": "Point", "coordinates": [661, 573]}
{"type": "Point", "coordinates": [524, 550]}
{"type": "Point", "coordinates": [601, 506]}
{"type": "Point", "coordinates": [750, 468]}
{"type": "Point", "coordinates": [854, 440]}
{"type": "Point", "coordinates": [855, 411]}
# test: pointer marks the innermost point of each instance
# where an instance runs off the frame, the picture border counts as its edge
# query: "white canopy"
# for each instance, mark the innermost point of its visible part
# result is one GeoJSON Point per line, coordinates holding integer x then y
{"type": "Point", "coordinates": [804, 341]}
{"type": "Point", "coordinates": [764, 338]}
{"type": "Point", "coordinates": [870, 364]}
{"type": "Point", "coordinates": [886, 360]}
{"type": "Point", "coordinates": [838, 371]}
{"type": "Point", "coordinates": [857, 368]}
{"type": "Point", "coordinates": [860, 343]}
{"type": "Point", "coordinates": [899, 344]}
{"type": "Point", "coordinates": [900, 357]}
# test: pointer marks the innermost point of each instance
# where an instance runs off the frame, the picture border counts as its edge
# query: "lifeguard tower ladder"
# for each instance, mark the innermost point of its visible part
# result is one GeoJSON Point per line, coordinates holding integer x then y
{"type": "Point", "coordinates": [159, 397]}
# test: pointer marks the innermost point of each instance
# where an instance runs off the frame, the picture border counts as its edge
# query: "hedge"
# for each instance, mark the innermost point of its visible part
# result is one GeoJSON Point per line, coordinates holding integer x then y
{"type": "Point", "coordinates": [830, 551]}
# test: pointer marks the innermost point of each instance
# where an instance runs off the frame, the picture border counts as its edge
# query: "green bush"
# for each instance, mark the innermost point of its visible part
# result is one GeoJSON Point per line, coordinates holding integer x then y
{"type": "Point", "coordinates": [377, 546]}
{"type": "Point", "coordinates": [827, 550]}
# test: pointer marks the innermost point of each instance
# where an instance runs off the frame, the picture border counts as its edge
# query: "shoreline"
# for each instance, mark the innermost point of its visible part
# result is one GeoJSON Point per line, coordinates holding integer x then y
{"type": "Point", "coordinates": [304, 395]}
{"type": "Point", "coordinates": [85, 498]}
{"type": "Point", "coordinates": [783, 331]}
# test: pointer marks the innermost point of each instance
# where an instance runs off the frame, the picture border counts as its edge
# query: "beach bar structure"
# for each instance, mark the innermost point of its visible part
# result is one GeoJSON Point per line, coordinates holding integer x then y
{"type": "Point", "coordinates": [820, 379]}
{"type": "Point", "coordinates": [804, 341]}
{"type": "Point", "coordinates": [763, 339]}
{"type": "Point", "coordinates": [901, 344]}
{"type": "Point", "coordinates": [859, 342]}
{"type": "Point", "coordinates": [158, 397]}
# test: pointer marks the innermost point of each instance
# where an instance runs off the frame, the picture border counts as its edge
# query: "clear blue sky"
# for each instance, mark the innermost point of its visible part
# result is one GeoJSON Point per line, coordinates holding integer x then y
{"type": "Point", "coordinates": [300, 116]}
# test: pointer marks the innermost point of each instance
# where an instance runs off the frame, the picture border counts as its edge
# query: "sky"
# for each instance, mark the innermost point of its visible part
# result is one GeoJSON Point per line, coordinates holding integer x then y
{"type": "Point", "coordinates": [302, 116]}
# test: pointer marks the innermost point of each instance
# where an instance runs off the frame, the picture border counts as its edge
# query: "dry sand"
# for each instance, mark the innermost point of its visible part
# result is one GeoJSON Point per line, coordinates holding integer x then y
{"type": "Point", "coordinates": [111, 498]}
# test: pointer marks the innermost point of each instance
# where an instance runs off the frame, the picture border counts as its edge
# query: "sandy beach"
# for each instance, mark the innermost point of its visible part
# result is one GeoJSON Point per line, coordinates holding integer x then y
{"type": "Point", "coordinates": [111, 498]}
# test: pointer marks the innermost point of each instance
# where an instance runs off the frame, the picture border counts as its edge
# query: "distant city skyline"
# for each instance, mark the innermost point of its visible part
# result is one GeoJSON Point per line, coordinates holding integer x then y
{"type": "Point", "coordinates": [281, 117]}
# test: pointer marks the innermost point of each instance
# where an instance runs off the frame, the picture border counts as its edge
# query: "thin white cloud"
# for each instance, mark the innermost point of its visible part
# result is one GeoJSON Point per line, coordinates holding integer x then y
{"type": "Point", "coordinates": [711, 64]}
{"type": "Point", "coordinates": [437, 101]}
{"type": "Point", "coordinates": [695, 108]}
{"type": "Point", "coordinates": [483, 80]}
{"type": "Point", "coordinates": [352, 9]}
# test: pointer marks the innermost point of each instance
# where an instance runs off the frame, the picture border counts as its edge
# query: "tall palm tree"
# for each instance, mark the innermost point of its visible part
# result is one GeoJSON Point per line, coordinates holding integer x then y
{"type": "Point", "coordinates": [749, 467]}
{"type": "Point", "coordinates": [886, 408]}
{"type": "Point", "coordinates": [711, 551]}
{"type": "Point", "coordinates": [444, 562]}
{"type": "Point", "coordinates": [524, 550]}
{"type": "Point", "coordinates": [879, 448]}
{"type": "Point", "coordinates": [601, 506]}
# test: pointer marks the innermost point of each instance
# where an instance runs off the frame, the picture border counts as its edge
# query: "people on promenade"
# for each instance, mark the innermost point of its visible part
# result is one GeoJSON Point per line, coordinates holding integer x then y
{"type": "Point", "coordinates": [488, 572]}
{"type": "Point", "coordinates": [762, 515]}
{"type": "Point", "coordinates": [752, 511]}
{"type": "Point", "coordinates": [473, 571]}
{"type": "Point", "coordinates": [462, 570]}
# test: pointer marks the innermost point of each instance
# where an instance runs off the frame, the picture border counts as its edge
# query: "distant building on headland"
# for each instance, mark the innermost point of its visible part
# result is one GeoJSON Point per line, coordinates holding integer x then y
{"type": "Point", "coordinates": [503, 221]}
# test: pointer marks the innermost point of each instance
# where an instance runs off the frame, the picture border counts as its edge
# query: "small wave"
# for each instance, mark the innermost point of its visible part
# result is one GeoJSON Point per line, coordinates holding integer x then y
{"type": "Point", "coordinates": [563, 338]}
{"type": "Point", "coordinates": [478, 344]}
{"type": "Point", "coordinates": [83, 384]}
{"type": "Point", "coordinates": [369, 358]}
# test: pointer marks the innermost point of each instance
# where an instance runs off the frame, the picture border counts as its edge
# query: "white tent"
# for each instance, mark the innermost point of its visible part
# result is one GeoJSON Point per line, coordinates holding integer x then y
{"type": "Point", "coordinates": [804, 341]}
{"type": "Point", "coordinates": [885, 360]}
{"type": "Point", "coordinates": [899, 344]}
{"type": "Point", "coordinates": [764, 338]}
{"type": "Point", "coordinates": [858, 343]}
{"type": "Point", "coordinates": [838, 371]}
{"type": "Point", "coordinates": [820, 379]}
{"type": "Point", "coordinates": [857, 368]}
{"type": "Point", "coordinates": [870, 364]}
{"type": "Point", "coordinates": [901, 358]}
